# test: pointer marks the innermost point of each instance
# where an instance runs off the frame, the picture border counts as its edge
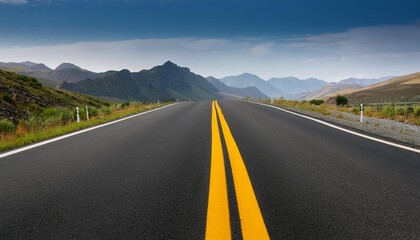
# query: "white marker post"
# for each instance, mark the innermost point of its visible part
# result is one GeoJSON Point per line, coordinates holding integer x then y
{"type": "Point", "coordinates": [158, 102]}
{"type": "Point", "coordinates": [361, 112]}
{"type": "Point", "coordinates": [272, 100]}
{"type": "Point", "coordinates": [77, 114]}
{"type": "Point", "coordinates": [87, 113]}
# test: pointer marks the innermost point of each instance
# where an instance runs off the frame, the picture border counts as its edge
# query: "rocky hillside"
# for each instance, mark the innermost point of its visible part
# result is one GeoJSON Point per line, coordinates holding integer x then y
{"type": "Point", "coordinates": [21, 96]}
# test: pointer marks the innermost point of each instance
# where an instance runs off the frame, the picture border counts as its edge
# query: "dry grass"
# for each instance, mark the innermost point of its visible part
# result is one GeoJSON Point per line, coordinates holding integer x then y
{"type": "Point", "coordinates": [406, 114]}
{"type": "Point", "coordinates": [39, 128]}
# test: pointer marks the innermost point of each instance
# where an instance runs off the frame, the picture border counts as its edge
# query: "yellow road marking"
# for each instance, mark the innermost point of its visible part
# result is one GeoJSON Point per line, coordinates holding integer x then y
{"type": "Point", "coordinates": [218, 222]}
{"type": "Point", "coordinates": [252, 222]}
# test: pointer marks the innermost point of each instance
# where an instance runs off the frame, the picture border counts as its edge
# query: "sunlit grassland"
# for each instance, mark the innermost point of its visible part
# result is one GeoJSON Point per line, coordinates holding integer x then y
{"type": "Point", "coordinates": [408, 114]}
{"type": "Point", "coordinates": [54, 122]}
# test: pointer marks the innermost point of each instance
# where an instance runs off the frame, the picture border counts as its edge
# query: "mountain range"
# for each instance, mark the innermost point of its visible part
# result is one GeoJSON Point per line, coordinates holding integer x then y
{"type": "Point", "coordinates": [236, 93]}
{"type": "Point", "coordinates": [65, 72]}
{"type": "Point", "coordinates": [170, 81]}
{"type": "Point", "coordinates": [165, 82]}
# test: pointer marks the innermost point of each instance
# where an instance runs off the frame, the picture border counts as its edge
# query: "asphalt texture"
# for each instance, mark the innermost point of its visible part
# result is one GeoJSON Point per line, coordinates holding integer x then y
{"type": "Point", "coordinates": [148, 178]}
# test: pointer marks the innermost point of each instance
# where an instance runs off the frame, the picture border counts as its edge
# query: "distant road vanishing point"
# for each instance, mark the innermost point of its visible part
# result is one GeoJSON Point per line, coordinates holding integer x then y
{"type": "Point", "coordinates": [211, 170]}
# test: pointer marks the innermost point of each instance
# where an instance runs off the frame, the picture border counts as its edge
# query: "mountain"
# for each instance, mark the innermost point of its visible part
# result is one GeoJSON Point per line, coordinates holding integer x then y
{"type": "Point", "coordinates": [62, 75]}
{"type": "Point", "coordinates": [364, 81]}
{"type": "Point", "coordinates": [236, 93]}
{"type": "Point", "coordinates": [68, 65]}
{"type": "Point", "coordinates": [35, 66]}
{"type": "Point", "coordinates": [21, 96]}
{"type": "Point", "coordinates": [293, 87]}
{"type": "Point", "coordinates": [399, 89]}
{"type": "Point", "coordinates": [250, 80]}
{"type": "Point", "coordinates": [64, 72]}
{"type": "Point", "coordinates": [165, 82]}
{"type": "Point", "coordinates": [24, 66]}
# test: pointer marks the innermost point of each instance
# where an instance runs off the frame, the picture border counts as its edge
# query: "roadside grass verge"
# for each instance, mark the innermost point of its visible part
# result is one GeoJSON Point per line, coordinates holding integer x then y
{"type": "Point", "coordinates": [54, 122]}
{"type": "Point", "coordinates": [407, 114]}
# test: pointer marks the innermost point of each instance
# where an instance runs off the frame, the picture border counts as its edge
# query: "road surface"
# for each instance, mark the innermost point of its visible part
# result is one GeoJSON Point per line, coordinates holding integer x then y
{"type": "Point", "coordinates": [193, 170]}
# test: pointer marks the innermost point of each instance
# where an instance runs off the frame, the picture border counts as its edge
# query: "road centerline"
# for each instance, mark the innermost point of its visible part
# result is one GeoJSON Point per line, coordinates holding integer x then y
{"type": "Point", "coordinates": [218, 221]}
{"type": "Point", "coordinates": [252, 222]}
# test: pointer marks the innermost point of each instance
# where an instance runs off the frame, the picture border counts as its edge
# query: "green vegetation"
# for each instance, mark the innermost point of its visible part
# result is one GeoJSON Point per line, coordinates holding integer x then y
{"type": "Point", "coordinates": [322, 109]}
{"type": "Point", "coordinates": [341, 100]}
{"type": "Point", "coordinates": [58, 121]}
{"type": "Point", "coordinates": [21, 96]}
{"type": "Point", "coordinates": [316, 101]}
{"type": "Point", "coordinates": [31, 112]}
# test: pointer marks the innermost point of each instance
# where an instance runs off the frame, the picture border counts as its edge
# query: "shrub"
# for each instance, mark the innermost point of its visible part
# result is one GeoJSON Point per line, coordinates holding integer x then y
{"type": "Point", "coordinates": [124, 105]}
{"type": "Point", "coordinates": [105, 111]}
{"type": "Point", "coordinates": [408, 110]}
{"type": "Point", "coordinates": [55, 116]}
{"type": "Point", "coordinates": [7, 98]}
{"type": "Point", "coordinates": [417, 111]}
{"type": "Point", "coordinates": [93, 111]}
{"type": "Point", "coordinates": [33, 82]}
{"type": "Point", "coordinates": [316, 101]}
{"type": "Point", "coordinates": [7, 126]}
{"type": "Point", "coordinates": [341, 100]}
{"type": "Point", "coordinates": [388, 111]}
{"type": "Point", "coordinates": [399, 111]}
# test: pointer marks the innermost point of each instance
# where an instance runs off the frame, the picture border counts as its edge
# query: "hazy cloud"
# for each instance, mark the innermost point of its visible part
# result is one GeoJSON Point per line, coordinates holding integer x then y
{"type": "Point", "coordinates": [369, 52]}
{"type": "Point", "coordinates": [13, 2]}
{"type": "Point", "coordinates": [261, 49]}
{"type": "Point", "coordinates": [379, 39]}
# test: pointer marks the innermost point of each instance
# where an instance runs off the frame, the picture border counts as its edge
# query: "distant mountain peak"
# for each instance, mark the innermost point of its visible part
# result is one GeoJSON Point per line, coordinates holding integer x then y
{"type": "Point", "coordinates": [67, 65]}
{"type": "Point", "coordinates": [35, 66]}
{"type": "Point", "coordinates": [169, 64]}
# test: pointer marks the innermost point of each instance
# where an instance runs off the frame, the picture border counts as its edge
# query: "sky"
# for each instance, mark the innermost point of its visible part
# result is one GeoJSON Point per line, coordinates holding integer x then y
{"type": "Point", "coordinates": [325, 39]}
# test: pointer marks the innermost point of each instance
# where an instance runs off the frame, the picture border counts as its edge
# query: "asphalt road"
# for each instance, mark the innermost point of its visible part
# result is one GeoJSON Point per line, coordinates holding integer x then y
{"type": "Point", "coordinates": [148, 178]}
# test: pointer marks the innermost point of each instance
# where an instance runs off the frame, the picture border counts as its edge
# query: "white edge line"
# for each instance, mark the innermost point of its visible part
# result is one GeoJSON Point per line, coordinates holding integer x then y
{"type": "Point", "coordinates": [343, 129]}
{"type": "Point", "coordinates": [19, 150]}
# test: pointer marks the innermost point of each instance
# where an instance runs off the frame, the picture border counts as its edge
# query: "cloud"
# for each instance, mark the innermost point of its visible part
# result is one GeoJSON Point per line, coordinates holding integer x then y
{"type": "Point", "coordinates": [364, 40]}
{"type": "Point", "coordinates": [370, 51]}
{"type": "Point", "coordinates": [261, 49]}
{"type": "Point", "coordinates": [16, 2]}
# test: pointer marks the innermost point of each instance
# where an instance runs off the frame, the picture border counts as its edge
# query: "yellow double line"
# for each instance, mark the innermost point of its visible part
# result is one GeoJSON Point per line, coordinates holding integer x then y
{"type": "Point", "coordinates": [218, 220]}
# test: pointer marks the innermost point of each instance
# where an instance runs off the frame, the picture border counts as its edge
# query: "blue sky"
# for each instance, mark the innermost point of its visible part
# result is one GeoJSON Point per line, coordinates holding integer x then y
{"type": "Point", "coordinates": [328, 39]}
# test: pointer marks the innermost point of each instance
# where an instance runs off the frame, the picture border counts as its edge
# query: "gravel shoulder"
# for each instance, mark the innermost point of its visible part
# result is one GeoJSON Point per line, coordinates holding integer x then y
{"type": "Point", "coordinates": [401, 132]}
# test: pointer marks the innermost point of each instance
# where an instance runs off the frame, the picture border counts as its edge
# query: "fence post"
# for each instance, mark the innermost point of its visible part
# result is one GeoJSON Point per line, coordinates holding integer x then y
{"type": "Point", "coordinates": [77, 114]}
{"type": "Point", "coordinates": [87, 113]}
{"type": "Point", "coordinates": [361, 112]}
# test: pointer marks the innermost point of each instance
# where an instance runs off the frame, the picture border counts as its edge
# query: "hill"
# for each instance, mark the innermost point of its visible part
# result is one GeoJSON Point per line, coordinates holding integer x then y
{"type": "Point", "coordinates": [64, 72]}
{"type": "Point", "coordinates": [165, 82]}
{"type": "Point", "coordinates": [331, 89]}
{"type": "Point", "coordinates": [21, 96]}
{"type": "Point", "coordinates": [250, 80]}
{"type": "Point", "coordinates": [23, 66]}
{"type": "Point", "coordinates": [363, 82]}
{"type": "Point", "coordinates": [236, 93]}
{"type": "Point", "coordinates": [399, 89]}
{"type": "Point", "coordinates": [293, 87]}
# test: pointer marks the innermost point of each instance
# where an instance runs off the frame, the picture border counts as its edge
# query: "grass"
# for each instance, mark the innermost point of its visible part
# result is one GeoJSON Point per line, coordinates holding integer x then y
{"type": "Point", "coordinates": [407, 114]}
{"type": "Point", "coordinates": [54, 122]}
